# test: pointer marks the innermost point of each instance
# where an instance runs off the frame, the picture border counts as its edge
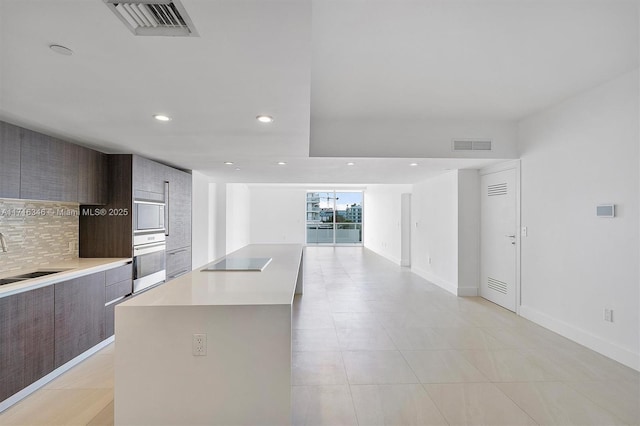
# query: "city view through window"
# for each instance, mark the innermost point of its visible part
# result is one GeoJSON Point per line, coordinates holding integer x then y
{"type": "Point", "coordinates": [334, 217]}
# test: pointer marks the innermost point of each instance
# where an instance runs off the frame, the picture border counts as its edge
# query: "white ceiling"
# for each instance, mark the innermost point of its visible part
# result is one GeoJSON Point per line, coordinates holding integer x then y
{"type": "Point", "coordinates": [494, 59]}
{"type": "Point", "coordinates": [296, 60]}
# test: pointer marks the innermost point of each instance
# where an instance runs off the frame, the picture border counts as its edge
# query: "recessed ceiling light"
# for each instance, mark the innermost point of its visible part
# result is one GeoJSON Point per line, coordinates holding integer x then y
{"type": "Point", "coordinates": [161, 117]}
{"type": "Point", "coordinates": [413, 164]}
{"type": "Point", "coordinates": [281, 163]}
{"type": "Point", "coordinates": [228, 163]}
{"type": "Point", "coordinates": [61, 49]}
{"type": "Point", "coordinates": [265, 118]}
{"type": "Point", "coordinates": [350, 163]}
{"type": "Point", "coordinates": [237, 169]}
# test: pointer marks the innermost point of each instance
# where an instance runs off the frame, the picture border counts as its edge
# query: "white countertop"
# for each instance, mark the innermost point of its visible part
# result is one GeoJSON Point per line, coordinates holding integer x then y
{"type": "Point", "coordinates": [275, 285]}
{"type": "Point", "coordinates": [72, 269]}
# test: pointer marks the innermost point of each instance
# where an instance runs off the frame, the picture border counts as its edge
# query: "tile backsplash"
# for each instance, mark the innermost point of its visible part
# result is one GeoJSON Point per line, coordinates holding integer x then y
{"type": "Point", "coordinates": [37, 233]}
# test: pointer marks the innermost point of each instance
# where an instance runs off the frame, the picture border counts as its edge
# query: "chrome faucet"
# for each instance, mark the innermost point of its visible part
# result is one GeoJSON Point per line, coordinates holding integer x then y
{"type": "Point", "coordinates": [3, 243]}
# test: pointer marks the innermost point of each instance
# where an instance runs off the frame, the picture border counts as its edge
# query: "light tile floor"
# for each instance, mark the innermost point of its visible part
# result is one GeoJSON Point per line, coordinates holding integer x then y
{"type": "Point", "coordinates": [375, 344]}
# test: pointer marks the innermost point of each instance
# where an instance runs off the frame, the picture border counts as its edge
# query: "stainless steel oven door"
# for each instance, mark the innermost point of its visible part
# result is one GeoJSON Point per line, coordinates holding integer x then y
{"type": "Point", "coordinates": [149, 265]}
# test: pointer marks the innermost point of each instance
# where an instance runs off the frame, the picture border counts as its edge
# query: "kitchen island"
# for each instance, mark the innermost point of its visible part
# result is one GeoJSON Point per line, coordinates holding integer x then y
{"type": "Point", "coordinates": [242, 322]}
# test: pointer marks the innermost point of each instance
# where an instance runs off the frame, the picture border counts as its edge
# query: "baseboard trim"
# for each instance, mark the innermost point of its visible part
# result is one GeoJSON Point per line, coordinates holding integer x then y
{"type": "Point", "coordinates": [444, 284]}
{"type": "Point", "coordinates": [389, 258]}
{"type": "Point", "coordinates": [55, 373]}
{"type": "Point", "coordinates": [583, 337]}
{"type": "Point", "coordinates": [467, 291]}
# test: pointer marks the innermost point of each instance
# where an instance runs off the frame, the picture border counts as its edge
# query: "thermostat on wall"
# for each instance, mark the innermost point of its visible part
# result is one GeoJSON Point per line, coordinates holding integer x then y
{"type": "Point", "coordinates": [606, 210]}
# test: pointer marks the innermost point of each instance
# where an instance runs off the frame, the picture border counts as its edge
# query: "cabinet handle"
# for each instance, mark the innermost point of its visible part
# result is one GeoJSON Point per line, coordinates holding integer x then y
{"type": "Point", "coordinates": [176, 275]}
{"type": "Point", "coordinates": [116, 300]}
{"type": "Point", "coordinates": [177, 251]}
{"type": "Point", "coordinates": [167, 206]}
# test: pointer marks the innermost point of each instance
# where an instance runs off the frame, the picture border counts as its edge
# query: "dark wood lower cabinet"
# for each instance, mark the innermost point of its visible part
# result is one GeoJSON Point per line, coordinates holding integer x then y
{"type": "Point", "coordinates": [116, 292]}
{"type": "Point", "coordinates": [178, 262]}
{"type": "Point", "coordinates": [42, 329]}
{"type": "Point", "coordinates": [110, 316]}
{"type": "Point", "coordinates": [79, 316]}
{"type": "Point", "coordinates": [26, 339]}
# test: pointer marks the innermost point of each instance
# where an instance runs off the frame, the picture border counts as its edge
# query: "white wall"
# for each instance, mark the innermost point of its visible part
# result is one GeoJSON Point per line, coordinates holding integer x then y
{"type": "Point", "coordinates": [434, 214]}
{"type": "Point", "coordinates": [576, 155]}
{"type": "Point", "coordinates": [278, 214]}
{"type": "Point", "coordinates": [219, 213]}
{"type": "Point", "coordinates": [407, 138]}
{"type": "Point", "coordinates": [382, 220]}
{"type": "Point", "coordinates": [203, 220]}
{"type": "Point", "coordinates": [468, 232]}
{"type": "Point", "coordinates": [238, 212]}
{"type": "Point", "coordinates": [445, 240]}
{"type": "Point", "coordinates": [405, 229]}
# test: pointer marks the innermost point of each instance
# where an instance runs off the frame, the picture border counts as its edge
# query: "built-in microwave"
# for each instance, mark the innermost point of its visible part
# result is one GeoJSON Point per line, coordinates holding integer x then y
{"type": "Point", "coordinates": [148, 216]}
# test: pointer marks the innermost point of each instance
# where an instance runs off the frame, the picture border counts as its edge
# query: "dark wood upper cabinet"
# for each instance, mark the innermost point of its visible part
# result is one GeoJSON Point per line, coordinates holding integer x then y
{"type": "Point", "coordinates": [26, 339]}
{"type": "Point", "coordinates": [111, 235]}
{"type": "Point", "coordinates": [92, 177]}
{"type": "Point", "coordinates": [9, 161]}
{"type": "Point", "coordinates": [148, 179]}
{"type": "Point", "coordinates": [35, 166]}
{"type": "Point", "coordinates": [48, 168]}
{"type": "Point", "coordinates": [79, 316]}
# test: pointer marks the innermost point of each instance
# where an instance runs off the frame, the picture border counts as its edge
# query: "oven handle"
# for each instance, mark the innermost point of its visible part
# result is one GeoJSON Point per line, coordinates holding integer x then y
{"type": "Point", "coordinates": [135, 268]}
{"type": "Point", "coordinates": [148, 248]}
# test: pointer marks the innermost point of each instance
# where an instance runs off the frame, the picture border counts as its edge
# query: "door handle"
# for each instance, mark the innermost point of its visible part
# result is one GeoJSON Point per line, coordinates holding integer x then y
{"type": "Point", "coordinates": [510, 236]}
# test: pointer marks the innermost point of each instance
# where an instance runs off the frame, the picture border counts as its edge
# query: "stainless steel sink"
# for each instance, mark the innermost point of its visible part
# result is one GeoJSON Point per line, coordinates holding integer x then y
{"type": "Point", "coordinates": [4, 281]}
{"type": "Point", "coordinates": [28, 276]}
{"type": "Point", "coordinates": [35, 274]}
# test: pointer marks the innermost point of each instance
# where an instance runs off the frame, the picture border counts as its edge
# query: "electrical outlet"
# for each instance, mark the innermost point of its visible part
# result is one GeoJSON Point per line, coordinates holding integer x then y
{"type": "Point", "coordinates": [199, 344]}
{"type": "Point", "coordinates": [608, 315]}
{"type": "Point", "coordinates": [72, 246]}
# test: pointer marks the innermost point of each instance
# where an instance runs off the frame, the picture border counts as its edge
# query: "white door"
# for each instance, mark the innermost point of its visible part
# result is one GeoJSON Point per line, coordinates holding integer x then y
{"type": "Point", "coordinates": [498, 238]}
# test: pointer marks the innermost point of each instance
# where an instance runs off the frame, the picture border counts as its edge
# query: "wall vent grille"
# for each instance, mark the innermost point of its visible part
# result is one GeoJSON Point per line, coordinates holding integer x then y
{"type": "Point", "coordinates": [497, 285]}
{"type": "Point", "coordinates": [471, 145]}
{"type": "Point", "coordinates": [154, 17]}
{"type": "Point", "coordinates": [497, 189]}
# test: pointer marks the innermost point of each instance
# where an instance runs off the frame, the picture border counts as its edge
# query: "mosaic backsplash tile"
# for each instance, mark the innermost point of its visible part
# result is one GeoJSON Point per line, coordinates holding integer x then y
{"type": "Point", "coordinates": [37, 233]}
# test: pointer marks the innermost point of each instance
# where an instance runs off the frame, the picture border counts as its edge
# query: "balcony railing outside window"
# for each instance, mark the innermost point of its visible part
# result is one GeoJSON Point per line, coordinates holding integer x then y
{"type": "Point", "coordinates": [345, 233]}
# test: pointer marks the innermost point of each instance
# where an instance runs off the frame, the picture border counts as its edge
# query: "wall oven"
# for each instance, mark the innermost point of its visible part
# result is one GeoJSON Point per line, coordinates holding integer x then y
{"type": "Point", "coordinates": [149, 263]}
{"type": "Point", "coordinates": [148, 216]}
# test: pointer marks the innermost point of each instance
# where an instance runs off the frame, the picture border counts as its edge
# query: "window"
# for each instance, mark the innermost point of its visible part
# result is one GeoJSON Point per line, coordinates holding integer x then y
{"type": "Point", "coordinates": [334, 217]}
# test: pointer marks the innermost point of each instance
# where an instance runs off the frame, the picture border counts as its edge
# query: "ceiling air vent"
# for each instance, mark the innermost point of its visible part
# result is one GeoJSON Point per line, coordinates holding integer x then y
{"type": "Point", "coordinates": [154, 17]}
{"type": "Point", "coordinates": [471, 145]}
